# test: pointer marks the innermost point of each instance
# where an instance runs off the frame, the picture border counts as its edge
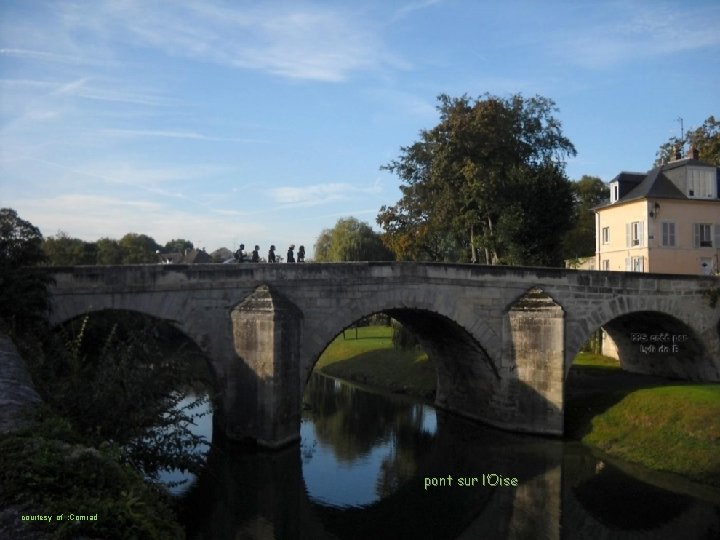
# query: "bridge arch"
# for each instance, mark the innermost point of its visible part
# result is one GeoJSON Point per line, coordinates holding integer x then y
{"type": "Point", "coordinates": [652, 337]}
{"type": "Point", "coordinates": [467, 378]}
{"type": "Point", "coordinates": [164, 307]}
{"type": "Point", "coordinates": [157, 321]}
{"type": "Point", "coordinates": [321, 329]}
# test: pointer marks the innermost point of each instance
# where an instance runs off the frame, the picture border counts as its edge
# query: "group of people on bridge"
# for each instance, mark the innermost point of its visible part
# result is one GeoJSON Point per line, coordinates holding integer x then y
{"type": "Point", "coordinates": [241, 256]}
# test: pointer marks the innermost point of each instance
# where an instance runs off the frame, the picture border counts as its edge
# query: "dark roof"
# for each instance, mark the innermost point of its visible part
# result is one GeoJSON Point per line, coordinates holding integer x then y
{"type": "Point", "coordinates": [653, 184]}
{"type": "Point", "coordinates": [684, 162]}
{"type": "Point", "coordinates": [656, 185]}
{"type": "Point", "coordinates": [173, 258]}
{"type": "Point", "coordinates": [197, 256]}
{"type": "Point", "coordinates": [629, 177]}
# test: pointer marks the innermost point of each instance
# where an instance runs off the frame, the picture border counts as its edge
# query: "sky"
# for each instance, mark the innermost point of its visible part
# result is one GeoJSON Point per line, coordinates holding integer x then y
{"type": "Point", "coordinates": [224, 122]}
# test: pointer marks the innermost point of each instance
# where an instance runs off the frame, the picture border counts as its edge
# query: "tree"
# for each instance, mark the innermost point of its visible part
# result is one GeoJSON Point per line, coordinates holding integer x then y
{"type": "Point", "coordinates": [109, 251]}
{"type": "Point", "coordinates": [537, 211]}
{"type": "Point", "coordinates": [23, 288]}
{"type": "Point", "coordinates": [706, 139]}
{"type": "Point", "coordinates": [579, 241]}
{"type": "Point", "coordinates": [63, 250]}
{"type": "Point", "coordinates": [351, 240]}
{"type": "Point", "coordinates": [460, 180]}
{"type": "Point", "coordinates": [221, 255]}
{"type": "Point", "coordinates": [138, 249]}
{"type": "Point", "coordinates": [178, 245]}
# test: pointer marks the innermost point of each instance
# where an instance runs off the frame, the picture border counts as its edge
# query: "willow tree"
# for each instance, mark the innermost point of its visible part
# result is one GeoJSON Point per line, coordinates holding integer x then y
{"type": "Point", "coordinates": [350, 240]}
{"type": "Point", "coordinates": [465, 176]}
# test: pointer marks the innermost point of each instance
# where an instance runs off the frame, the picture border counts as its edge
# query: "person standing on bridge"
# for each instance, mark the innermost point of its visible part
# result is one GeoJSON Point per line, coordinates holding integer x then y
{"type": "Point", "coordinates": [256, 254]}
{"type": "Point", "coordinates": [291, 254]}
{"type": "Point", "coordinates": [301, 254]}
{"type": "Point", "coordinates": [271, 255]}
{"type": "Point", "coordinates": [240, 254]}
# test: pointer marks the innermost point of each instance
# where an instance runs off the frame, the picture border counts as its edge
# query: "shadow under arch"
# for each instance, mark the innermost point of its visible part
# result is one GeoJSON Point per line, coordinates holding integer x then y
{"type": "Point", "coordinates": [467, 378]}
{"type": "Point", "coordinates": [171, 336]}
{"type": "Point", "coordinates": [651, 342]}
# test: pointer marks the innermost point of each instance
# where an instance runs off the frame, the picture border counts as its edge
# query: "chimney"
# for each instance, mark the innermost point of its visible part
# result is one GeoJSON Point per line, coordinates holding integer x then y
{"type": "Point", "coordinates": [693, 153]}
{"type": "Point", "coordinates": [678, 152]}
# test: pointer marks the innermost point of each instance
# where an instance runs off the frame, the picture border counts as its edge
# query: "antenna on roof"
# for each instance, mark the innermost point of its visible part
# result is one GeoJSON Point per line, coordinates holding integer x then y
{"type": "Point", "coordinates": [682, 130]}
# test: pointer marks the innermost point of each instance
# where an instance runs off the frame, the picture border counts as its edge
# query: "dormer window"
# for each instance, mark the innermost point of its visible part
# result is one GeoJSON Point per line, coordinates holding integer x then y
{"type": "Point", "coordinates": [701, 183]}
{"type": "Point", "coordinates": [614, 192]}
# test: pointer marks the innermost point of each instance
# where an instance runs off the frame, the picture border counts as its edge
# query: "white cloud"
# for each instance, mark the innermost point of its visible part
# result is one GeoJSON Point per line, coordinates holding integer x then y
{"type": "Point", "coordinates": [45, 56]}
{"type": "Point", "coordinates": [91, 217]}
{"type": "Point", "coordinates": [412, 7]}
{"type": "Point", "coordinates": [116, 93]}
{"type": "Point", "coordinates": [289, 40]}
{"type": "Point", "coordinates": [177, 134]}
{"type": "Point", "coordinates": [320, 193]}
{"type": "Point", "coordinates": [635, 32]}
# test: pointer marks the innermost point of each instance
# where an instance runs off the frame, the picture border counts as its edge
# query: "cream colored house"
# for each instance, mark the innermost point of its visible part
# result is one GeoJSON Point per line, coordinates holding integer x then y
{"type": "Point", "coordinates": [664, 221]}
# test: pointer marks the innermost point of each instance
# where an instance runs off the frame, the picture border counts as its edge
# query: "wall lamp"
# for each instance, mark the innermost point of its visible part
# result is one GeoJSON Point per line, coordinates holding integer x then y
{"type": "Point", "coordinates": [654, 213]}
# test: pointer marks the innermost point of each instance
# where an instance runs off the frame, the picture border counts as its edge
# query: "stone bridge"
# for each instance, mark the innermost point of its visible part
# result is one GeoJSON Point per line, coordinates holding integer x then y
{"type": "Point", "coordinates": [503, 338]}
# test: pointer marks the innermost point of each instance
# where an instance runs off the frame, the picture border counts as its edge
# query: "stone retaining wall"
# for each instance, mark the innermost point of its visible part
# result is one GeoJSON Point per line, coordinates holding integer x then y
{"type": "Point", "coordinates": [16, 388]}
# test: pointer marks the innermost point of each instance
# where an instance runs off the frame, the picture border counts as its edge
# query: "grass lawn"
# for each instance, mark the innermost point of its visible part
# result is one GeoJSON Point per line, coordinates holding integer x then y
{"type": "Point", "coordinates": [661, 424]}
{"type": "Point", "coordinates": [670, 428]}
{"type": "Point", "coordinates": [371, 359]}
{"type": "Point", "coordinates": [587, 359]}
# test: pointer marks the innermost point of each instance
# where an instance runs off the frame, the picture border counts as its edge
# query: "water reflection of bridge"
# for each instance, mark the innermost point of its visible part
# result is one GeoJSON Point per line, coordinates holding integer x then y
{"type": "Point", "coordinates": [263, 495]}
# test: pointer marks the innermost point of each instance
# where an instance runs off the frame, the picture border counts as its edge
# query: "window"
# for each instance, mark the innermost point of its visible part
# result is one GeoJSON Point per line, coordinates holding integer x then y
{"type": "Point", "coordinates": [668, 234]}
{"type": "Point", "coordinates": [606, 235]}
{"type": "Point", "coordinates": [614, 192]}
{"type": "Point", "coordinates": [703, 234]}
{"type": "Point", "coordinates": [634, 264]}
{"type": "Point", "coordinates": [634, 233]}
{"type": "Point", "coordinates": [606, 264]}
{"type": "Point", "coordinates": [701, 183]}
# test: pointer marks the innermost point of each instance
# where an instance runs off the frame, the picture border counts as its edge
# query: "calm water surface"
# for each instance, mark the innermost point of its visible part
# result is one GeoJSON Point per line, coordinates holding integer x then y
{"type": "Point", "coordinates": [373, 466]}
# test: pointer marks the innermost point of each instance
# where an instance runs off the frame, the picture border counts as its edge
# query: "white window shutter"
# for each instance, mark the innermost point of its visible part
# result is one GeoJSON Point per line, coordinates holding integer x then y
{"type": "Point", "coordinates": [641, 233]}
{"type": "Point", "coordinates": [628, 235]}
{"type": "Point", "coordinates": [717, 236]}
{"type": "Point", "coordinates": [696, 230]}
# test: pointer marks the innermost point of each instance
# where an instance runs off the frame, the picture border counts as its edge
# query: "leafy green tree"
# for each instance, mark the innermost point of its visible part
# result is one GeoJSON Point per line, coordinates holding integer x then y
{"type": "Point", "coordinates": [588, 192]}
{"type": "Point", "coordinates": [221, 255]}
{"type": "Point", "coordinates": [460, 180]}
{"type": "Point", "coordinates": [23, 287]}
{"type": "Point", "coordinates": [535, 214]}
{"type": "Point", "coordinates": [63, 250]}
{"type": "Point", "coordinates": [138, 249]}
{"type": "Point", "coordinates": [109, 377]}
{"type": "Point", "coordinates": [178, 245]}
{"type": "Point", "coordinates": [706, 139]}
{"type": "Point", "coordinates": [351, 240]}
{"type": "Point", "coordinates": [109, 251]}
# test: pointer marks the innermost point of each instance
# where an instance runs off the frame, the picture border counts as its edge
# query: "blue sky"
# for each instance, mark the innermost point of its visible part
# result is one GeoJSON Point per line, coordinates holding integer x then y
{"type": "Point", "coordinates": [264, 122]}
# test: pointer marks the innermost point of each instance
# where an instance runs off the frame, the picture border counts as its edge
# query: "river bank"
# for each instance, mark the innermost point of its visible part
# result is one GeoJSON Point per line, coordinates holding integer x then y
{"type": "Point", "coordinates": [659, 423]}
{"type": "Point", "coordinates": [49, 470]}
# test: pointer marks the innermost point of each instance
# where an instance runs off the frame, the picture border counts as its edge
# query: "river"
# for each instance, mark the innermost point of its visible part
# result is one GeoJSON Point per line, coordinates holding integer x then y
{"type": "Point", "coordinates": [373, 466]}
